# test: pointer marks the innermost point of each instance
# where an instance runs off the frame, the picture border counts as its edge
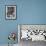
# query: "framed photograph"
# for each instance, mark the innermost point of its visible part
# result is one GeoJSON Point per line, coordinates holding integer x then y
{"type": "Point", "coordinates": [10, 12]}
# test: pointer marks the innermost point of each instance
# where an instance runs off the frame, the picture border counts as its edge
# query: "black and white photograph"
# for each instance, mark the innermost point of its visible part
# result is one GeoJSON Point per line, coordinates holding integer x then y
{"type": "Point", "coordinates": [10, 12]}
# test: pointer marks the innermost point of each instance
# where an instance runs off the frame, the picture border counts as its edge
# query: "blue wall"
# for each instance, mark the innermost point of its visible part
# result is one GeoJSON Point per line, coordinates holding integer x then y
{"type": "Point", "coordinates": [28, 12]}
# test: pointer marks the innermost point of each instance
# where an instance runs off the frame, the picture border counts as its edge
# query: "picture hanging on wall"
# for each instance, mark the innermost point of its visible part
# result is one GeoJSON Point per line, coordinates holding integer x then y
{"type": "Point", "coordinates": [10, 12]}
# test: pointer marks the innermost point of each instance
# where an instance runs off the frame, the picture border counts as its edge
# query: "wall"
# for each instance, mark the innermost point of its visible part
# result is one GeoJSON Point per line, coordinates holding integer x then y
{"type": "Point", "coordinates": [28, 12]}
